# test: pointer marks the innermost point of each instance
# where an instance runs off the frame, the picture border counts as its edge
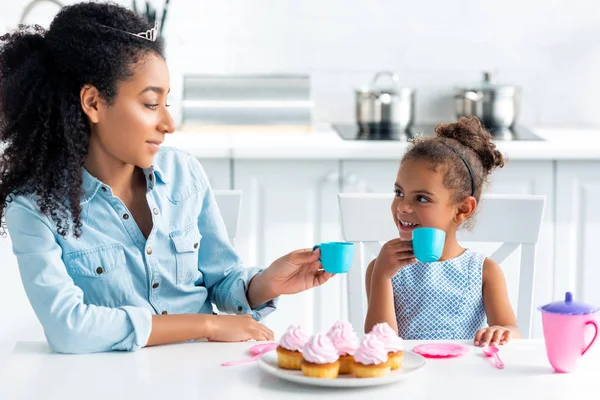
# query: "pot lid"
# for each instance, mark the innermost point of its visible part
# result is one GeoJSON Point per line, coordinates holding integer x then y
{"type": "Point", "coordinates": [487, 84]}
{"type": "Point", "coordinates": [391, 87]}
{"type": "Point", "coordinates": [569, 307]}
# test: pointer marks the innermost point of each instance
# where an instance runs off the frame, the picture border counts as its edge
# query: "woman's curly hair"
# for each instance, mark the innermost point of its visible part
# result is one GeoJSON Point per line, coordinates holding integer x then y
{"type": "Point", "coordinates": [44, 132]}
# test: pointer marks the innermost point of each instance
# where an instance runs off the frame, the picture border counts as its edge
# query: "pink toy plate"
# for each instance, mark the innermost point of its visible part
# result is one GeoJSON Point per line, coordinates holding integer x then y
{"type": "Point", "coordinates": [440, 350]}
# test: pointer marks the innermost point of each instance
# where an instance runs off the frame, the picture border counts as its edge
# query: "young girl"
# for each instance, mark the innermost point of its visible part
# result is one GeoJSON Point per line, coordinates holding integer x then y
{"type": "Point", "coordinates": [439, 185]}
{"type": "Point", "coordinates": [120, 243]}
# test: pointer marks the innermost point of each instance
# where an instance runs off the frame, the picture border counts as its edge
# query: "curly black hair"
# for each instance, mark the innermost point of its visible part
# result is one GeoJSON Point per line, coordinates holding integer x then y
{"type": "Point", "coordinates": [43, 129]}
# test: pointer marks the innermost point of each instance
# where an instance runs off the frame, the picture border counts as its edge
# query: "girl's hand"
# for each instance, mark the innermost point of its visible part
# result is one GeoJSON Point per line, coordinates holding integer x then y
{"type": "Point", "coordinates": [492, 336]}
{"type": "Point", "coordinates": [394, 255]}
{"type": "Point", "coordinates": [237, 328]}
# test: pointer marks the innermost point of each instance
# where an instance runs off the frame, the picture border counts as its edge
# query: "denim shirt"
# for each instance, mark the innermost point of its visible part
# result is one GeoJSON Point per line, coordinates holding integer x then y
{"type": "Point", "coordinates": [98, 293]}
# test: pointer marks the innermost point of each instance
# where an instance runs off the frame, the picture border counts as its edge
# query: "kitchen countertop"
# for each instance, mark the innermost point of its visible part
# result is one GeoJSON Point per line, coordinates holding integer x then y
{"type": "Point", "coordinates": [324, 144]}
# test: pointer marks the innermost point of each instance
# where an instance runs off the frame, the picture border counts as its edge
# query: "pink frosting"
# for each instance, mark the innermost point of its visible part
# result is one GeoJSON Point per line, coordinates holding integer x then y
{"type": "Point", "coordinates": [371, 351]}
{"type": "Point", "coordinates": [344, 338]}
{"type": "Point", "coordinates": [320, 350]}
{"type": "Point", "coordinates": [388, 336]}
{"type": "Point", "coordinates": [294, 339]}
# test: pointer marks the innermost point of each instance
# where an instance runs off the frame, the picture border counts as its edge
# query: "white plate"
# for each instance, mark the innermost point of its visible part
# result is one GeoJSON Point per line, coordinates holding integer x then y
{"type": "Point", "coordinates": [411, 363]}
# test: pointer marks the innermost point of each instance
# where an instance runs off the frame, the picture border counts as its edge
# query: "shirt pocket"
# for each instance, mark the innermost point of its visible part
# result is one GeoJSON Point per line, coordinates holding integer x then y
{"type": "Point", "coordinates": [186, 243]}
{"type": "Point", "coordinates": [102, 275]}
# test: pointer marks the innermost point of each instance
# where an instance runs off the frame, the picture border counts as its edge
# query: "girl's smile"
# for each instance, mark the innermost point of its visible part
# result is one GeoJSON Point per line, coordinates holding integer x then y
{"type": "Point", "coordinates": [406, 226]}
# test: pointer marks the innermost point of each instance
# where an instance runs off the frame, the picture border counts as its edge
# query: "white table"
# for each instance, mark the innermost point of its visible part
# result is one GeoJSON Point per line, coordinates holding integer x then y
{"type": "Point", "coordinates": [193, 371]}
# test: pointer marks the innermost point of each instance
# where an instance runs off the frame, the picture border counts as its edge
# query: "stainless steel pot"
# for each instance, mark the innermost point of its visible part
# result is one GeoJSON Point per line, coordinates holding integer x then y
{"type": "Point", "coordinates": [496, 106]}
{"type": "Point", "coordinates": [384, 109]}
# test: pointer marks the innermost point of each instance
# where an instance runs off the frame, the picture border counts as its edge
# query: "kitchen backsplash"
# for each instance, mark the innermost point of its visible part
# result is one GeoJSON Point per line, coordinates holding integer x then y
{"type": "Point", "coordinates": [549, 47]}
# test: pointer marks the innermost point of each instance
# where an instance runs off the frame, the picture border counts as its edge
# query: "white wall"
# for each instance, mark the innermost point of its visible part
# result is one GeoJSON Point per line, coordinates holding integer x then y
{"type": "Point", "coordinates": [550, 47]}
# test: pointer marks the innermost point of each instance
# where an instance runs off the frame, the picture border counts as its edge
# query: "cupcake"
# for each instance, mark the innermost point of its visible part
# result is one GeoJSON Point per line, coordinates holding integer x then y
{"type": "Point", "coordinates": [371, 358]}
{"type": "Point", "coordinates": [346, 342]}
{"type": "Point", "coordinates": [392, 342]}
{"type": "Point", "coordinates": [289, 351]}
{"type": "Point", "coordinates": [320, 358]}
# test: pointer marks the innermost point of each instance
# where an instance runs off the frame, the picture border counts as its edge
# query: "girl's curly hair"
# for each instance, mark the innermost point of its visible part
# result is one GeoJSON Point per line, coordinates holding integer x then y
{"type": "Point", "coordinates": [44, 132]}
{"type": "Point", "coordinates": [465, 138]}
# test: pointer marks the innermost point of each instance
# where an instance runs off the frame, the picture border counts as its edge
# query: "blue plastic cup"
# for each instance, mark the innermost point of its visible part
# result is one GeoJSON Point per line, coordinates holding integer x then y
{"type": "Point", "coordinates": [428, 244]}
{"type": "Point", "coordinates": [336, 257]}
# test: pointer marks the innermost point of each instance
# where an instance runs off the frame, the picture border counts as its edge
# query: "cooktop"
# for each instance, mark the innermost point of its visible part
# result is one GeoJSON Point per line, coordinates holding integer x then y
{"type": "Point", "coordinates": [349, 131]}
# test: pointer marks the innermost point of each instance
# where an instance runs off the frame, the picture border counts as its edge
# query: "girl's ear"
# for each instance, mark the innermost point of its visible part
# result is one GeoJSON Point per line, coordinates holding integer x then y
{"type": "Point", "coordinates": [465, 209]}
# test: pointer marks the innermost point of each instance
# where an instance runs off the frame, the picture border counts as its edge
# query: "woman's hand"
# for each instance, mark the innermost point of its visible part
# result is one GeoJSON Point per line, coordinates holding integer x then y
{"type": "Point", "coordinates": [492, 336]}
{"type": "Point", "coordinates": [296, 272]}
{"type": "Point", "coordinates": [237, 328]}
{"type": "Point", "coordinates": [293, 273]}
{"type": "Point", "coordinates": [393, 255]}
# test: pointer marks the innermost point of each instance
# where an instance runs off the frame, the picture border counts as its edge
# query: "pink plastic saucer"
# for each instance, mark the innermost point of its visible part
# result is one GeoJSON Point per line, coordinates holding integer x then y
{"type": "Point", "coordinates": [440, 350]}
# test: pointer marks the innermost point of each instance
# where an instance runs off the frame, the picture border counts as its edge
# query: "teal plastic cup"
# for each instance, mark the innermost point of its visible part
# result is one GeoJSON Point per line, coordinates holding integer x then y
{"type": "Point", "coordinates": [428, 244]}
{"type": "Point", "coordinates": [336, 257]}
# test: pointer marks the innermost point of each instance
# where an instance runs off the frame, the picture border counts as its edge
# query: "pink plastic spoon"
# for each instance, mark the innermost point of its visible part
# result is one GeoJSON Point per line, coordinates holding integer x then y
{"type": "Point", "coordinates": [256, 351]}
{"type": "Point", "coordinates": [492, 351]}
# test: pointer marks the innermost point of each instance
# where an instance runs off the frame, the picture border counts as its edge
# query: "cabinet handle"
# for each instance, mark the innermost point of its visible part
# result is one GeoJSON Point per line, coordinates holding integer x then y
{"type": "Point", "coordinates": [351, 179]}
{"type": "Point", "coordinates": [332, 177]}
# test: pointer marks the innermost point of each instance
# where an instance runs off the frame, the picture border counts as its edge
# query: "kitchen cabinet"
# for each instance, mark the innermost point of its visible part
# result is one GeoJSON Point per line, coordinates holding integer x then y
{"type": "Point", "coordinates": [288, 205]}
{"type": "Point", "coordinates": [18, 320]}
{"type": "Point", "coordinates": [218, 171]}
{"type": "Point", "coordinates": [531, 177]}
{"type": "Point", "coordinates": [577, 230]}
{"type": "Point", "coordinates": [370, 176]}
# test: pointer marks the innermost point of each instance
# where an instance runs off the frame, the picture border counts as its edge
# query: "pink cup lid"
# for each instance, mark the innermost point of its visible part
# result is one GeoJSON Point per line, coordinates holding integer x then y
{"type": "Point", "coordinates": [569, 307]}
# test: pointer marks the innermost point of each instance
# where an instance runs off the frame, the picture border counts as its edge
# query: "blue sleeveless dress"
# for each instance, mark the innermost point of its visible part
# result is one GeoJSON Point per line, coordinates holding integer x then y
{"type": "Point", "coordinates": [440, 300]}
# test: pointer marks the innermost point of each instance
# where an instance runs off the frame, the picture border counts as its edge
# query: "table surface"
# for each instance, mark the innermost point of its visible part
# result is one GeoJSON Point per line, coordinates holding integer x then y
{"type": "Point", "coordinates": [193, 371]}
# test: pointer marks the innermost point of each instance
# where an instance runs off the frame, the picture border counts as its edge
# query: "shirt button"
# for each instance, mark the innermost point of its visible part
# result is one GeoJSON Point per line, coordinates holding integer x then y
{"type": "Point", "coordinates": [99, 270]}
{"type": "Point", "coordinates": [150, 176]}
{"type": "Point", "coordinates": [240, 308]}
{"type": "Point", "coordinates": [164, 312]}
{"type": "Point", "coordinates": [149, 250]}
{"type": "Point", "coordinates": [125, 216]}
{"type": "Point", "coordinates": [195, 245]}
{"type": "Point", "coordinates": [154, 285]}
{"type": "Point", "coordinates": [103, 189]}
{"type": "Point", "coordinates": [155, 211]}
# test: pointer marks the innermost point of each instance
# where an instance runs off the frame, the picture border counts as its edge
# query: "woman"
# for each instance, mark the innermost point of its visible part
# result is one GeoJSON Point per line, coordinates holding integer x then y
{"type": "Point", "coordinates": [120, 243]}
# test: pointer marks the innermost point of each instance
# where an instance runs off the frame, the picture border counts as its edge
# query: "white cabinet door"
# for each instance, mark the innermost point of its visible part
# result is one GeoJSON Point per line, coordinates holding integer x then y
{"type": "Point", "coordinates": [577, 231]}
{"type": "Point", "coordinates": [218, 171]}
{"type": "Point", "coordinates": [18, 321]}
{"type": "Point", "coordinates": [518, 177]}
{"type": "Point", "coordinates": [531, 177]}
{"type": "Point", "coordinates": [289, 205]}
{"type": "Point", "coordinates": [372, 176]}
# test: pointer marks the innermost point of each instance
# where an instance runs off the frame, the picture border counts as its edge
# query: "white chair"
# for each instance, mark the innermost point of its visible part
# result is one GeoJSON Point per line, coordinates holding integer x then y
{"type": "Point", "coordinates": [513, 220]}
{"type": "Point", "coordinates": [229, 202]}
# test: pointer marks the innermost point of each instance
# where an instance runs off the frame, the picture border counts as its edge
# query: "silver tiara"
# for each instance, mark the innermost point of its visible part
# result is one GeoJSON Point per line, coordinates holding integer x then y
{"type": "Point", "coordinates": [150, 34]}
